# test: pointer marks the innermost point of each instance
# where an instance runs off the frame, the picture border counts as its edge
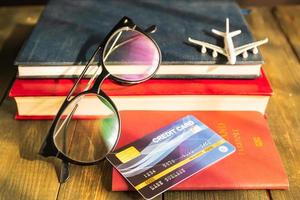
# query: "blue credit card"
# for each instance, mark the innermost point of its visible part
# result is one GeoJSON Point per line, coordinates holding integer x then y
{"type": "Point", "coordinates": [164, 158]}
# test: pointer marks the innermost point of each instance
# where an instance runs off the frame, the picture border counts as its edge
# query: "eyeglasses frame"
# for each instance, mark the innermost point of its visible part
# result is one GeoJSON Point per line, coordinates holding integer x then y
{"type": "Point", "coordinates": [48, 147]}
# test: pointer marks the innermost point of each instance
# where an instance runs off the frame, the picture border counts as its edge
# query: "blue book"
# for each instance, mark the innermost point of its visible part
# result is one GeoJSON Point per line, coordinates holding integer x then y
{"type": "Point", "coordinates": [68, 31]}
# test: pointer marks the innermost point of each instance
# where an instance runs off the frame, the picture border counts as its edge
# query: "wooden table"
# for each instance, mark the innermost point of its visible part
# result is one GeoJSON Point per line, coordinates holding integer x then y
{"type": "Point", "coordinates": [25, 175]}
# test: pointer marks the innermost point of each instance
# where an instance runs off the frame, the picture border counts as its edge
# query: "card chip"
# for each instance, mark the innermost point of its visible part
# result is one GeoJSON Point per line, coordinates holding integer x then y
{"type": "Point", "coordinates": [128, 154]}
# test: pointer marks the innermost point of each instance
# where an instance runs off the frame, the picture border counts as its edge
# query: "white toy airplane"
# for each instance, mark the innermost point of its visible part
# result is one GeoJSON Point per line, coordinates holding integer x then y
{"type": "Point", "coordinates": [229, 51]}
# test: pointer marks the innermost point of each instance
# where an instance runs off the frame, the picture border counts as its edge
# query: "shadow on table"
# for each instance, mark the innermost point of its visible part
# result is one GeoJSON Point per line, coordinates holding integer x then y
{"type": "Point", "coordinates": [26, 134]}
{"type": "Point", "coordinates": [8, 52]}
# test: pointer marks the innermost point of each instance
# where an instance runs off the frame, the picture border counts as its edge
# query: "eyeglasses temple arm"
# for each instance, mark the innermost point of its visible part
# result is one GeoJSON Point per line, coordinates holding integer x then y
{"type": "Point", "coordinates": [65, 166]}
{"type": "Point", "coordinates": [151, 29]}
{"type": "Point", "coordinates": [64, 172]}
{"type": "Point", "coordinates": [87, 66]}
{"type": "Point", "coordinates": [84, 71]}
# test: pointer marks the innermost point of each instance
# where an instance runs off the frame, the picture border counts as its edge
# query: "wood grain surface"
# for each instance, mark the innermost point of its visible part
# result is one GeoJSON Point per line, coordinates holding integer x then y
{"type": "Point", "coordinates": [283, 70]}
{"type": "Point", "coordinates": [23, 173]}
{"type": "Point", "coordinates": [26, 175]}
{"type": "Point", "coordinates": [288, 18]}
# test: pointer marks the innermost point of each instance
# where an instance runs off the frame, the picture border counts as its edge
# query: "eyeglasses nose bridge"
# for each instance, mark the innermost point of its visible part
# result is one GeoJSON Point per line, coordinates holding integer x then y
{"type": "Point", "coordinates": [102, 76]}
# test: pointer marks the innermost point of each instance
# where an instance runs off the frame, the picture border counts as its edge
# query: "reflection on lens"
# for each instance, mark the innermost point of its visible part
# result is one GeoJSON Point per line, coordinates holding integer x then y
{"type": "Point", "coordinates": [131, 56]}
{"type": "Point", "coordinates": [87, 140]}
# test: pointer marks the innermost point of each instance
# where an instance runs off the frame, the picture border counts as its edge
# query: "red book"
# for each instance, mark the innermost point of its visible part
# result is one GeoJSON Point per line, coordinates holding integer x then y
{"type": "Point", "coordinates": [158, 94]}
{"type": "Point", "coordinates": [61, 87]}
{"type": "Point", "coordinates": [256, 163]}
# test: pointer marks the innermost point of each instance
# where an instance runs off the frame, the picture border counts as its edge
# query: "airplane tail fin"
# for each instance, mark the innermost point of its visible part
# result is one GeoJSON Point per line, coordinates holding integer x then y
{"type": "Point", "coordinates": [227, 25]}
{"type": "Point", "coordinates": [231, 34]}
{"type": "Point", "coordinates": [220, 33]}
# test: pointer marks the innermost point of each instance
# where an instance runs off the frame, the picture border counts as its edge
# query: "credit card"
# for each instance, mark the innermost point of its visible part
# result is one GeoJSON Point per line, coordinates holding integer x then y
{"type": "Point", "coordinates": [164, 158]}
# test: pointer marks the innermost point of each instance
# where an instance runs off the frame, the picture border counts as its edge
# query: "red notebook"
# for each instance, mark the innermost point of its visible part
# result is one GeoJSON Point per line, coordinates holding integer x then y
{"type": "Point", "coordinates": [256, 163]}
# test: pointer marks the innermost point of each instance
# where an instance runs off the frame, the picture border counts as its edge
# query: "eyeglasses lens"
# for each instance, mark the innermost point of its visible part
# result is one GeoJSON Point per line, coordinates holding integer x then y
{"type": "Point", "coordinates": [87, 140]}
{"type": "Point", "coordinates": [131, 56]}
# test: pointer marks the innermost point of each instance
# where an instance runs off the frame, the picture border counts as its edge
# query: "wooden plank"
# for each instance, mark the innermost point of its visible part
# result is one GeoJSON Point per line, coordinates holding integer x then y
{"type": "Point", "coordinates": [90, 182]}
{"type": "Point", "coordinates": [16, 24]}
{"type": "Point", "coordinates": [265, 2]}
{"type": "Point", "coordinates": [238, 195]}
{"type": "Point", "coordinates": [23, 173]}
{"type": "Point", "coordinates": [283, 70]}
{"type": "Point", "coordinates": [288, 18]}
{"type": "Point", "coordinates": [93, 182]}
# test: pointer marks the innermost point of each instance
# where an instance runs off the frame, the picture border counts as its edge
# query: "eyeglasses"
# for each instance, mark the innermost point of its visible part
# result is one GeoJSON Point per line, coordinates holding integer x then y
{"type": "Point", "coordinates": [127, 55]}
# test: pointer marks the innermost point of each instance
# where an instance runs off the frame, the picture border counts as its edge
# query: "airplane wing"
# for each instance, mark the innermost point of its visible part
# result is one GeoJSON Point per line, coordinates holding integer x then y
{"type": "Point", "coordinates": [209, 46]}
{"type": "Point", "coordinates": [246, 47]}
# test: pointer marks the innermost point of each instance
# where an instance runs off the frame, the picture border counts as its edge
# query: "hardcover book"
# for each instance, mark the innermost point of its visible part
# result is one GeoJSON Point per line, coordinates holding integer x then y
{"type": "Point", "coordinates": [256, 164]}
{"type": "Point", "coordinates": [43, 98]}
{"type": "Point", "coordinates": [68, 32]}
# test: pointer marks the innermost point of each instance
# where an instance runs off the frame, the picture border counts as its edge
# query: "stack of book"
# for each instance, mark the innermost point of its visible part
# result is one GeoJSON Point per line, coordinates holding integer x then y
{"type": "Point", "coordinates": [230, 98]}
